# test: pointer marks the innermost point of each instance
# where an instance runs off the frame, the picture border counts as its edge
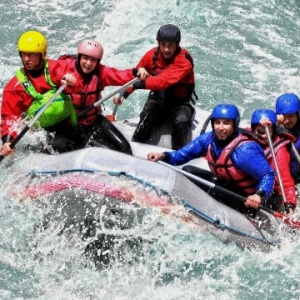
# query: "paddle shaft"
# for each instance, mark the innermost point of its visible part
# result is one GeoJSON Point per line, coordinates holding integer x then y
{"type": "Point", "coordinates": [35, 118]}
{"type": "Point", "coordinates": [296, 153]}
{"type": "Point", "coordinates": [293, 223]}
{"type": "Point", "coordinates": [205, 124]}
{"type": "Point", "coordinates": [98, 103]}
{"type": "Point", "coordinates": [119, 101]}
{"type": "Point", "coordinates": [204, 181]}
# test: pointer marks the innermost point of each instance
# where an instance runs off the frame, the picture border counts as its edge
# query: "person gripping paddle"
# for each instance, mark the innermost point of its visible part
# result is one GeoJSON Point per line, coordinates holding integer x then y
{"type": "Point", "coordinates": [93, 127]}
{"type": "Point", "coordinates": [32, 87]}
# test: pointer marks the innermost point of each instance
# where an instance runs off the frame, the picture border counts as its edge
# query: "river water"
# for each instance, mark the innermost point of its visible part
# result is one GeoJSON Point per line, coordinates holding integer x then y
{"type": "Point", "coordinates": [245, 53]}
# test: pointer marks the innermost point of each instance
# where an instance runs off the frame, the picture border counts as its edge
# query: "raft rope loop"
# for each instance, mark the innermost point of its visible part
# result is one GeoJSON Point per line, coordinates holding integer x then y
{"type": "Point", "coordinates": [216, 222]}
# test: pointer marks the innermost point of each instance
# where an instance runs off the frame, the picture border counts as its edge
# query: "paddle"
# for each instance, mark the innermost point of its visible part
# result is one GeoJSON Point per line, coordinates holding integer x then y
{"type": "Point", "coordinates": [35, 118]}
{"type": "Point", "coordinates": [277, 169]}
{"type": "Point", "coordinates": [292, 223]}
{"type": "Point", "coordinates": [112, 117]}
{"type": "Point", "coordinates": [296, 153]}
{"type": "Point", "coordinates": [98, 103]}
{"type": "Point", "coordinates": [205, 124]}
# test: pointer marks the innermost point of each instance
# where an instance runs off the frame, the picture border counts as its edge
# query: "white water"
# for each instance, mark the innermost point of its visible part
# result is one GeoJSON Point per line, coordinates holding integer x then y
{"type": "Point", "coordinates": [245, 53]}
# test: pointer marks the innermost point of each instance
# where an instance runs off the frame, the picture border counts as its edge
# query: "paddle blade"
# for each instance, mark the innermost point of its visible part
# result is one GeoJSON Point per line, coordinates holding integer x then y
{"type": "Point", "coordinates": [288, 220]}
{"type": "Point", "coordinates": [111, 118]}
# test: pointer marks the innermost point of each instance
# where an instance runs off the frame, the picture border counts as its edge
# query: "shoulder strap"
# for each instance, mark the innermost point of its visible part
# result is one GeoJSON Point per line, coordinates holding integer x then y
{"type": "Point", "coordinates": [28, 86]}
{"type": "Point", "coordinates": [47, 74]}
{"type": "Point", "coordinates": [154, 58]}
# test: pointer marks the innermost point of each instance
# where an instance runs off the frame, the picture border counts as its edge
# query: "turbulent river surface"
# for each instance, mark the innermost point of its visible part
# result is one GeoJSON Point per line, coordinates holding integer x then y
{"type": "Point", "coordinates": [245, 53]}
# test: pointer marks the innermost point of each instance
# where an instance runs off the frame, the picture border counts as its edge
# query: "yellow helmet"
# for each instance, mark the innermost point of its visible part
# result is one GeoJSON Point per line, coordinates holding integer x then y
{"type": "Point", "coordinates": [33, 41]}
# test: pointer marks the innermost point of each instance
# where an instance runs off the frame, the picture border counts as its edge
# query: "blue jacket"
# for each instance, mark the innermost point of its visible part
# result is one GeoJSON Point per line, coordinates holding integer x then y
{"type": "Point", "coordinates": [294, 164]}
{"type": "Point", "coordinates": [247, 157]}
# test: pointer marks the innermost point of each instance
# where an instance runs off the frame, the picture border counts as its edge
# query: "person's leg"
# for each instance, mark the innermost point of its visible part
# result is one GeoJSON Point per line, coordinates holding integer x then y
{"type": "Point", "coordinates": [149, 117]}
{"type": "Point", "coordinates": [225, 198]}
{"type": "Point", "coordinates": [202, 173]}
{"type": "Point", "coordinates": [60, 138]}
{"type": "Point", "coordinates": [105, 133]}
{"type": "Point", "coordinates": [181, 118]}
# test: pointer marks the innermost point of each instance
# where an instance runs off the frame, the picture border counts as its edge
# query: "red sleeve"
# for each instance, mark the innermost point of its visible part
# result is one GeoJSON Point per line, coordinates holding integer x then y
{"type": "Point", "coordinates": [111, 76]}
{"type": "Point", "coordinates": [59, 68]}
{"type": "Point", "coordinates": [15, 101]}
{"type": "Point", "coordinates": [172, 74]}
{"type": "Point", "coordinates": [283, 161]}
{"type": "Point", "coordinates": [147, 60]}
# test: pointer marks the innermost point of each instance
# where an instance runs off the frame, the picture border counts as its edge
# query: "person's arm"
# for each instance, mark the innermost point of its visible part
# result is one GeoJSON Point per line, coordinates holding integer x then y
{"type": "Point", "coordinates": [113, 77]}
{"type": "Point", "coordinates": [15, 101]}
{"type": "Point", "coordinates": [283, 161]}
{"type": "Point", "coordinates": [249, 158]}
{"type": "Point", "coordinates": [195, 149]}
{"type": "Point", "coordinates": [172, 74]}
{"type": "Point", "coordinates": [60, 69]}
{"type": "Point", "coordinates": [146, 62]}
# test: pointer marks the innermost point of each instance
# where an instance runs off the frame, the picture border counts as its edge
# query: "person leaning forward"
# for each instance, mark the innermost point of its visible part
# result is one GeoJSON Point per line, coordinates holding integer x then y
{"type": "Point", "coordinates": [281, 142]}
{"type": "Point", "coordinates": [172, 85]}
{"type": "Point", "coordinates": [232, 158]}
{"type": "Point", "coordinates": [94, 127]}
{"type": "Point", "coordinates": [32, 86]}
{"type": "Point", "coordinates": [288, 116]}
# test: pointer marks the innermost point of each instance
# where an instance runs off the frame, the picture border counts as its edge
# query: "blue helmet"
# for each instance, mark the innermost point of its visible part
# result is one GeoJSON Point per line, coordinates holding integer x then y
{"type": "Point", "coordinates": [287, 104]}
{"type": "Point", "coordinates": [263, 113]}
{"type": "Point", "coordinates": [226, 111]}
{"type": "Point", "coordinates": [168, 33]}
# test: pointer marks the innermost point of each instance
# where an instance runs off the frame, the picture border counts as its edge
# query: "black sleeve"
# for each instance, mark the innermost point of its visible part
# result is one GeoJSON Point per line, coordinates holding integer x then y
{"type": "Point", "coordinates": [6, 139]}
{"type": "Point", "coordinates": [139, 85]}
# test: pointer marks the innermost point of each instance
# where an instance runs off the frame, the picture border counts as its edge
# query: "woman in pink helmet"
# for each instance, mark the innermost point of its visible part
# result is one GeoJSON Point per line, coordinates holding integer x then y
{"type": "Point", "coordinates": [94, 127]}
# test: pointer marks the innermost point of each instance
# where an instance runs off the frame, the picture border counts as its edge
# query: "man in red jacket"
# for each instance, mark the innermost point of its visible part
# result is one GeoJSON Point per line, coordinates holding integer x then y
{"type": "Point", "coordinates": [32, 86]}
{"type": "Point", "coordinates": [172, 85]}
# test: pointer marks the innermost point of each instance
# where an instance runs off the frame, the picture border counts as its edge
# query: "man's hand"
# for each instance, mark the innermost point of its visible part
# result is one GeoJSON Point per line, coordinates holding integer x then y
{"type": "Point", "coordinates": [118, 100]}
{"type": "Point", "coordinates": [6, 150]}
{"type": "Point", "coordinates": [253, 201]}
{"type": "Point", "coordinates": [265, 122]}
{"type": "Point", "coordinates": [280, 119]}
{"type": "Point", "coordinates": [155, 156]}
{"type": "Point", "coordinates": [142, 73]}
{"type": "Point", "coordinates": [69, 79]}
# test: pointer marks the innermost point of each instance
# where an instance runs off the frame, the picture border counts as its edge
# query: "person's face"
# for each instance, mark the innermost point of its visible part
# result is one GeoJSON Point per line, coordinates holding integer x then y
{"type": "Point", "coordinates": [167, 49]}
{"type": "Point", "coordinates": [87, 63]}
{"type": "Point", "coordinates": [224, 128]}
{"type": "Point", "coordinates": [261, 131]}
{"type": "Point", "coordinates": [32, 61]}
{"type": "Point", "coordinates": [290, 120]}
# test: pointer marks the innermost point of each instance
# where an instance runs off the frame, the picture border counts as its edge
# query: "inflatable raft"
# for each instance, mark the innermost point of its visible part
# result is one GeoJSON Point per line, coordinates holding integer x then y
{"type": "Point", "coordinates": [114, 190]}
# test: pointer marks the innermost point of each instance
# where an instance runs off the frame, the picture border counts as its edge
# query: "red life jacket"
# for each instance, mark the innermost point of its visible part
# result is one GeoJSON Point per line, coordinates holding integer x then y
{"type": "Point", "coordinates": [90, 93]}
{"type": "Point", "coordinates": [278, 142]}
{"type": "Point", "coordinates": [223, 167]}
{"type": "Point", "coordinates": [282, 139]}
{"type": "Point", "coordinates": [183, 90]}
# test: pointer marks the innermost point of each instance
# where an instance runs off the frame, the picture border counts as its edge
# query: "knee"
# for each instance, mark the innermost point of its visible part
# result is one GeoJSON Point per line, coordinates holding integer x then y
{"type": "Point", "coordinates": [125, 148]}
{"type": "Point", "coordinates": [182, 123]}
{"type": "Point", "coordinates": [62, 145]}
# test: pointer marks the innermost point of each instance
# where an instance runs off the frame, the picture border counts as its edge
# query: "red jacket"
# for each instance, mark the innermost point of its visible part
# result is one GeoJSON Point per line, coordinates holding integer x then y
{"type": "Point", "coordinates": [16, 101]}
{"type": "Point", "coordinates": [91, 91]}
{"type": "Point", "coordinates": [175, 76]}
{"type": "Point", "coordinates": [282, 155]}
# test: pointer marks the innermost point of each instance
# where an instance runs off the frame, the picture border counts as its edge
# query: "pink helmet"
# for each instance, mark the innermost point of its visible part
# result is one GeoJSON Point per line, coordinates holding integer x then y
{"type": "Point", "coordinates": [90, 48]}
